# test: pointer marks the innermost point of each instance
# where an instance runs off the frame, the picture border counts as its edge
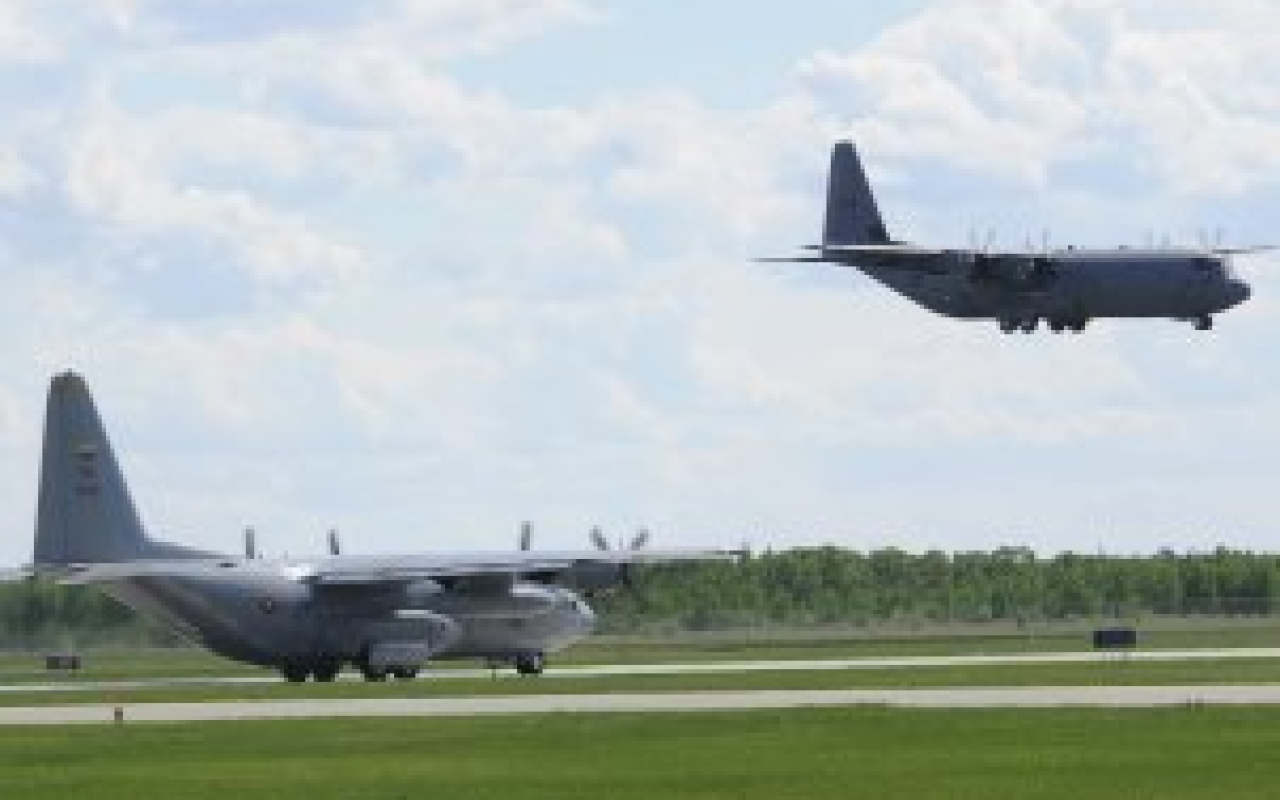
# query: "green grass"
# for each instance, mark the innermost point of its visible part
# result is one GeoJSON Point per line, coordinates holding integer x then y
{"type": "Point", "coordinates": [1170, 754]}
{"type": "Point", "coordinates": [769, 645]}
{"type": "Point", "coordinates": [1119, 673]}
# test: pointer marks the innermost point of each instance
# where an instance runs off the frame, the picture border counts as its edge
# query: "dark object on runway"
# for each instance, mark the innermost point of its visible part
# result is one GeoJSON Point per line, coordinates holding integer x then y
{"type": "Point", "coordinates": [1115, 638]}
{"type": "Point", "coordinates": [62, 661]}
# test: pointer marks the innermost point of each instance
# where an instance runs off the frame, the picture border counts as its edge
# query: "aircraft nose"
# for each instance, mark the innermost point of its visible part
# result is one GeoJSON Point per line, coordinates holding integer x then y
{"type": "Point", "coordinates": [1237, 292]}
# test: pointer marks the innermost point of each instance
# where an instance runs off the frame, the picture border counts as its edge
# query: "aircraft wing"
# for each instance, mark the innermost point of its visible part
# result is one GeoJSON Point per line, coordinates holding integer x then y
{"type": "Point", "coordinates": [348, 571]}
{"type": "Point", "coordinates": [374, 570]}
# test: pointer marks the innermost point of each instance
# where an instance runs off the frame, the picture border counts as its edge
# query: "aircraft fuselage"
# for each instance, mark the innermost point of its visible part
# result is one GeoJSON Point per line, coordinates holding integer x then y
{"type": "Point", "coordinates": [263, 615]}
{"type": "Point", "coordinates": [1068, 286]}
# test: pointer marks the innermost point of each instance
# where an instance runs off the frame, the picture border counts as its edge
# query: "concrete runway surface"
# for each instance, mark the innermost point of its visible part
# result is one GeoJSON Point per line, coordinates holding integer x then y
{"type": "Point", "coordinates": [1026, 697]}
{"type": "Point", "coordinates": [708, 667]}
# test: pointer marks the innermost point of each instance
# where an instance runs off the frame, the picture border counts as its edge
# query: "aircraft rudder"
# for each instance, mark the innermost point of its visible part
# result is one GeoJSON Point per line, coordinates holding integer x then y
{"type": "Point", "coordinates": [851, 215]}
{"type": "Point", "coordinates": [84, 513]}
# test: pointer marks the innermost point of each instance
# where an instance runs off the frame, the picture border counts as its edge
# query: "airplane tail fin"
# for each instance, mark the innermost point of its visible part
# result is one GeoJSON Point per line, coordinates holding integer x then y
{"type": "Point", "coordinates": [852, 216]}
{"type": "Point", "coordinates": [84, 513]}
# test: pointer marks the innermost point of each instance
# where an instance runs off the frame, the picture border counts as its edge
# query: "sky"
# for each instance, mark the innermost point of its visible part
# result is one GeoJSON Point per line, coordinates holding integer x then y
{"type": "Point", "coordinates": [422, 269]}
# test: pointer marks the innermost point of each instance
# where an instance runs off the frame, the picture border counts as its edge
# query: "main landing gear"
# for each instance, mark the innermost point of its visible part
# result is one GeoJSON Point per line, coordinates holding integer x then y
{"type": "Point", "coordinates": [324, 670]}
{"type": "Point", "coordinates": [379, 674]}
{"type": "Point", "coordinates": [1029, 324]}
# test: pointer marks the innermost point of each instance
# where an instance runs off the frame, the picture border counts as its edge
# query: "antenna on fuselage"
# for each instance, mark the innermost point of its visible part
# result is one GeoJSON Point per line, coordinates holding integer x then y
{"type": "Point", "coordinates": [526, 535]}
{"type": "Point", "coordinates": [334, 547]}
{"type": "Point", "coordinates": [250, 544]}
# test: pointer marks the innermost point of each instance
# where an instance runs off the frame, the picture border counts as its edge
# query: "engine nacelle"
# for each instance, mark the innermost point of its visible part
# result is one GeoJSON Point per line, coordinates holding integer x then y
{"type": "Point", "coordinates": [593, 577]}
{"type": "Point", "coordinates": [1010, 271]}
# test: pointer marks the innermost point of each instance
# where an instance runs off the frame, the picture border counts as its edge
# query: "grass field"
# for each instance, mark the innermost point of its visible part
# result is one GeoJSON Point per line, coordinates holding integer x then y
{"type": "Point", "coordinates": [1116, 673]}
{"type": "Point", "coordinates": [1171, 754]}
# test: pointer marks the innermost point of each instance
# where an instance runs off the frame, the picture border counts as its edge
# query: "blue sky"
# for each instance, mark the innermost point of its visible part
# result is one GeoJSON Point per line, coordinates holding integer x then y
{"type": "Point", "coordinates": [424, 269]}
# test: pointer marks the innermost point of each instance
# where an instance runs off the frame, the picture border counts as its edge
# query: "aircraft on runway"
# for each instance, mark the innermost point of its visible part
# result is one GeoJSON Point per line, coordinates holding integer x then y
{"type": "Point", "coordinates": [308, 617]}
{"type": "Point", "coordinates": [1066, 288]}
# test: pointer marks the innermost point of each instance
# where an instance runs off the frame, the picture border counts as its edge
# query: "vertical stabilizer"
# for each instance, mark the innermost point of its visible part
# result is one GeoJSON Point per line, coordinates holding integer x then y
{"type": "Point", "coordinates": [852, 216]}
{"type": "Point", "coordinates": [84, 513]}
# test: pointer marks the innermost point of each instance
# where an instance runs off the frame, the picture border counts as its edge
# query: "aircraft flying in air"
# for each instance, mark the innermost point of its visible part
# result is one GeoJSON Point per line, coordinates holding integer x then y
{"type": "Point", "coordinates": [1065, 288]}
{"type": "Point", "coordinates": [387, 615]}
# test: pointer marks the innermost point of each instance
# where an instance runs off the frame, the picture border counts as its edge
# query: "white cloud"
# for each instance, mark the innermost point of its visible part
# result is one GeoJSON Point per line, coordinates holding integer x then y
{"type": "Point", "coordinates": [443, 309]}
{"type": "Point", "coordinates": [1024, 87]}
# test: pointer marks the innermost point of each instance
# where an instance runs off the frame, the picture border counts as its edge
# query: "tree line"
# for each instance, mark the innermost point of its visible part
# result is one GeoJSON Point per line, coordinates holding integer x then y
{"type": "Point", "coordinates": [804, 587]}
{"type": "Point", "coordinates": [831, 586]}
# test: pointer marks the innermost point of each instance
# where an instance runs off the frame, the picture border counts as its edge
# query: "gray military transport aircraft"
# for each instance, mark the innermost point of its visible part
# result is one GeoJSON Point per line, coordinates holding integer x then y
{"type": "Point", "coordinates": [1066, 288]}
{"type": "Point", "coordinates": [387, 615]}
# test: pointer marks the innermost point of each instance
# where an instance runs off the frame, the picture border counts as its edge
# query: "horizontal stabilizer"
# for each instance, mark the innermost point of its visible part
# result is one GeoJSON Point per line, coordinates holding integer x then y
{"type": "Point", "coordinates": [882, 256]}
{"type": "Point", "coordinates": [77, 574]}
{"type": "Point", "coordinates": [793, 260]}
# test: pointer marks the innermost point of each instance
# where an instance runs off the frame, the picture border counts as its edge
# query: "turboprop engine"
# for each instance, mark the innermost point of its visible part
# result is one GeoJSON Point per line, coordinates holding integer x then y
{"type": "Point", "coordinates": [1010, 271]}
{"type": "Point", "coordinates": [594, 577]}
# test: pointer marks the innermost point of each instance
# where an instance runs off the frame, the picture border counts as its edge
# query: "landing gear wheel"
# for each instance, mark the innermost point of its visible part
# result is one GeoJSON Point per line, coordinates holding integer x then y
{"type": "Point", "coordinates": [1204, 323]}
{"type": "Point", "coordinates": [1057, 325]}
{"type": "Point", "coordinates": [530, 663]}
{"type": "Point", "coordinates": [404, 673]}
{"type": "Point", "coordinates": [1008, 325]}
{"type": "Point", "coordinates": [326, 671]}
{"type": "Point", "coordinates": [1077, 325]}
{"type": "Point", "coordinates": [1029, 325]}
{"type": "Point", "coordinates": [295, 673]}
{"type": "Point", "coordinates": [373, 674]}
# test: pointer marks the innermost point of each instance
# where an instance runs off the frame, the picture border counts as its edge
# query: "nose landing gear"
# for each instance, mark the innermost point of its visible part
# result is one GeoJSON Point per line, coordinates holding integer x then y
{"type": "Point", "coordinates": [530, 663]}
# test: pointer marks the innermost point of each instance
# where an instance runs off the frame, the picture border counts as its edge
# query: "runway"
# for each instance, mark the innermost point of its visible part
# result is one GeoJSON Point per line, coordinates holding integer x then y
{"type": "Point", "coordinates": [684, 702]}
{"type": "Point", "coordinates": [70, 684]}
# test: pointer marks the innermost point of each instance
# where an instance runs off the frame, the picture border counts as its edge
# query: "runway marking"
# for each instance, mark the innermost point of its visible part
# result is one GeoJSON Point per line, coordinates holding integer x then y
{"type": "Point", "coordinates": [1023, 697]}
{"type": "Point", "coordinates": [707, 667]}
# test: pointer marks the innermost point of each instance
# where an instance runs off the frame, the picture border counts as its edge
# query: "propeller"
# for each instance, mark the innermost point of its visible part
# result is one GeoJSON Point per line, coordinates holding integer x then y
{"type": "Point", "coordinates": [250, 544]}
{"type": "Point", "coordinates": [638, 541]}
{"type": "Point", "coordinates": [334, 548]}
